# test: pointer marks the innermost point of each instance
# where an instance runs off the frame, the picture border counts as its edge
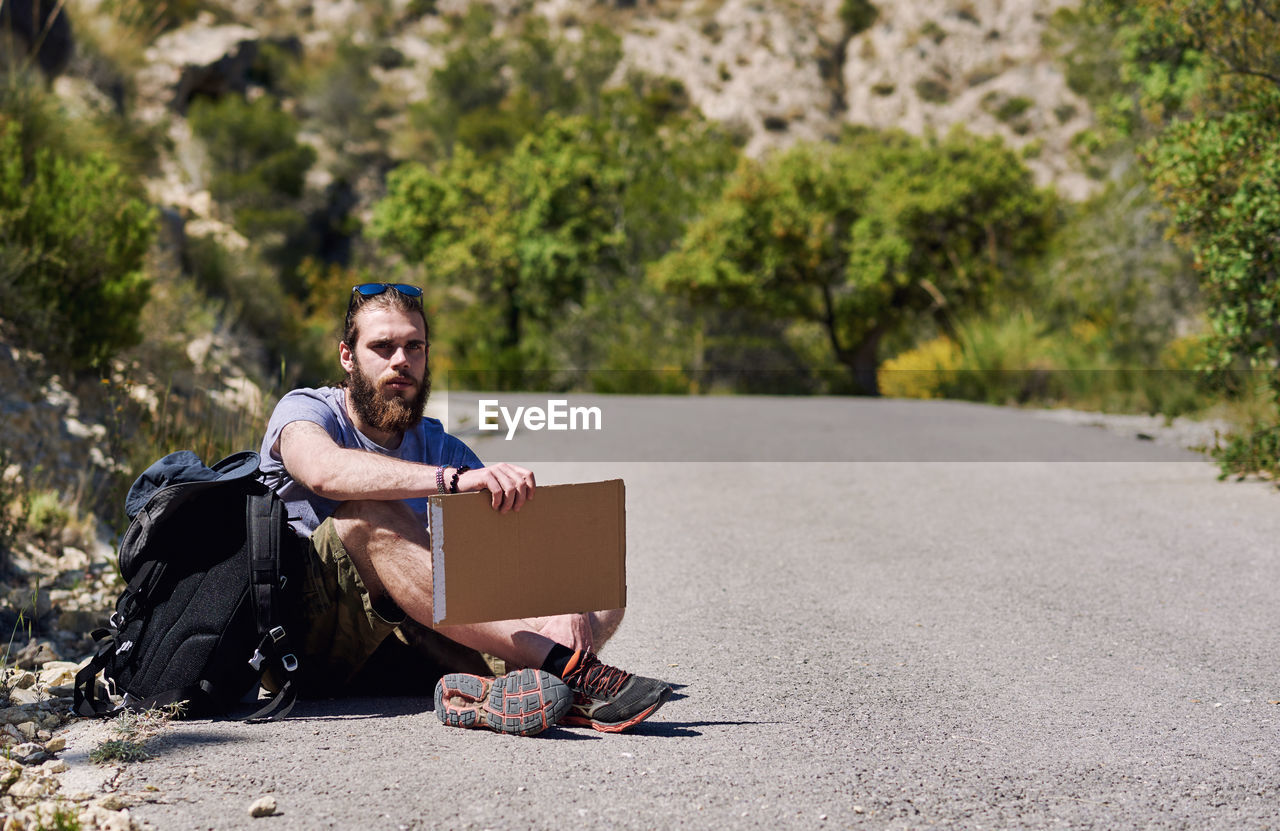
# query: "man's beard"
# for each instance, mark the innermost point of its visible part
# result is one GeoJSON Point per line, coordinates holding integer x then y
{"type": "Point", "coordinates": [389, 413]}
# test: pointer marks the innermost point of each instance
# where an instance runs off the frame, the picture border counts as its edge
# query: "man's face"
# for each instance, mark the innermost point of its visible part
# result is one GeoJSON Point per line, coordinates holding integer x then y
{"type": "Point", "coordinates": [388, 380]}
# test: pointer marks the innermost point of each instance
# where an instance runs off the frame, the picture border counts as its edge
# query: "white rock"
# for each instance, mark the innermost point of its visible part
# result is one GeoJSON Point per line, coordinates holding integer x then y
{"type": "Point", "coordinates": [112, 802]}
{"type": "Point", "coordinates": [73, 559]}
{"type": "Point", "coordinates": [32, 787]}
{"type": "Point", "coordinates": [58, 673]}
{"type": "Point", "coordinates": [197, 57]}
{"type": "Point", "coordinates": [239, 394]}
{"type": "Point", "coordinates": [29, 753]}
{"type": "Point", "coordinates": [263, 807]}
{"type": "Point", "coordinates": [96, 816]}
{"type": "Point", "coordinates": [25, 696]}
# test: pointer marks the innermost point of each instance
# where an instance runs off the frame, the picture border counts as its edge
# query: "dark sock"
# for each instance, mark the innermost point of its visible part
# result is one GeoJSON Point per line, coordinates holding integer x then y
{"type": "Point", "coordinates": [557, 659]}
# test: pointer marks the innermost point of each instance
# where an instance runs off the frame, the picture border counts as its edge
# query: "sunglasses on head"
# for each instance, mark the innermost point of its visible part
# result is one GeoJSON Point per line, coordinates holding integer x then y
{"type": "Point", "coordinates": [374, 289]}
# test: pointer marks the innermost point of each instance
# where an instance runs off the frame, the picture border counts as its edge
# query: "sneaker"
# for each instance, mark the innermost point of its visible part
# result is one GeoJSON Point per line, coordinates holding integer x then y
{"type": "Point", "coordinates": [520, 703]}
{"type": "Point", "coordinates": [607, 698]}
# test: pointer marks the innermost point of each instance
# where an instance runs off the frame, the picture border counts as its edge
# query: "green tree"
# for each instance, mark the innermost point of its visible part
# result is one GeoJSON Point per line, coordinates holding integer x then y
{"type": "Point", "coordinates": [492, 102]}
{"type": "Point", "coordinates": [1209, 71]}
{"type": "Point", "coordinates": [864, 237]}
{"type": "Point", "coordinates": [1217, 168]}
{"type": "Point", "coordinates": [671, 162]}
{"type": "Point", "coordinates": [493, 90]}
{"type": "Point", "coordinates": [341, 100]}
{"type": "Point", "coordinates": [74, 233]}
{"type": "Point", "coordinates": [1111, 262]}
{"type": "Point", "coordinates": [521, 235]}
{"type": "Point", "coordinates": [259, 167]}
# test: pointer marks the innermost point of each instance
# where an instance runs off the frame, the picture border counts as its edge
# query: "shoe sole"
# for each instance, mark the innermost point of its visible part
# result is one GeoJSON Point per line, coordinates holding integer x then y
{"type": "Point", "coordinates": [521, 703]}
{"type": "Point", "coordinates": [572, 720]}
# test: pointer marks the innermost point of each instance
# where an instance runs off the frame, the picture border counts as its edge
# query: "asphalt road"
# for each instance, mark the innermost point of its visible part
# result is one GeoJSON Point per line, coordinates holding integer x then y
{"type": "Point", "coordinates": [979, 623]}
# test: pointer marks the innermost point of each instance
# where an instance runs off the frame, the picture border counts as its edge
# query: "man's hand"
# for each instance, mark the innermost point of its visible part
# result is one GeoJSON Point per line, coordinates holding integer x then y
{"type": "Point", "coordinates": [574, 631]}
{"type": "Point", "coordinates": [510, 485]}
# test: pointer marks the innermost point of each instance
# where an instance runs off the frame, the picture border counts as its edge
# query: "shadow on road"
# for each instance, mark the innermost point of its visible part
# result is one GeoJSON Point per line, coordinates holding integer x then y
{"type": "Point", "coordinates": [684, 729]}
{"type": "Point", "coordinates": [187, 735]}
{"type": "Point", "coordinates": [346, 709]}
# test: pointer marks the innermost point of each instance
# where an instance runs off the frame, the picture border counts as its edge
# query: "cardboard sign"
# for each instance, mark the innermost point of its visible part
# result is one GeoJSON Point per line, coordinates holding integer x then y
{"type": "Point", "coordinates": [564, 551]}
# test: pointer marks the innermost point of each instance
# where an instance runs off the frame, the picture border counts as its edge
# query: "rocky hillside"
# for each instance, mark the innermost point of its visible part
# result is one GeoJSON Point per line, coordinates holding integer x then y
{"type": "Point", "coordinates": [921, 65]}
{"type": "Point", "coordinates": [777, 71]}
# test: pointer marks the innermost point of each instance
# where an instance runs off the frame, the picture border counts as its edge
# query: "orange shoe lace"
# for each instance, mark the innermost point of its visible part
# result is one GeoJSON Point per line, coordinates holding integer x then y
{"type": "Point", "coordinates": [598, 679]}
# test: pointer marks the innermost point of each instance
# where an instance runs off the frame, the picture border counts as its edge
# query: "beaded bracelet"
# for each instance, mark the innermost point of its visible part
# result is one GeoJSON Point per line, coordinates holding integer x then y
{"type": "Point", "coordinates": [453, 486]}
{"type": "Point", "coordinates": [440, 480]}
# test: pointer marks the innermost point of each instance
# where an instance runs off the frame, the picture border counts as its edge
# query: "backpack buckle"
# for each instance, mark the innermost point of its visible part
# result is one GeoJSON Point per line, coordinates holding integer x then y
{"type": "Point", "coordinates": [257, 659]}
{"type": "Point", "coordinates": [290, 662]}
{"type": "Point", "coordinates": [277, 634]}
{"type": "Point", "coordinates": [127, 609]}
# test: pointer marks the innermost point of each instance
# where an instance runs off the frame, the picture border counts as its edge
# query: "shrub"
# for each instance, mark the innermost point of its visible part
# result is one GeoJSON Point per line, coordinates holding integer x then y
{"type": "Point", "coordinates": [420, 8]}
{"type": "Point", "coordinates": [342, 102]}
{"type": "Point", "coordinates": [1013, 108]}
{"type": "Point", "coordinates": [259, 167]}
{"type": "Point", "coordinates": [1015, 357]}
{"type": "Point", "coordinates": [46, 515]}
{"type": "Point", "coordinates": [493, 90]}
{"type": "Point", "coordinates": [157, 17]}
{"type": "Point", "coordinates": [1007, 359]}
{"type": "Point", "coordinates": [933, 91]}
{"type": "Point", "coordinates": [1253, 445]}
{"type": "Point", "coordinates": [73, 236]}
{"type": "Point", "coordinates": [932, 31]}
{"type": "Point", "coordinates": [317, 319]}
{"type": "Point", "coordinates": [857, 16]}
{"type": "Point", "coordinates": [1112, 264]}
{"type": "Point", "coordinates": [922, 372]}
{"type": "Point", "coordinates": [13, 507]}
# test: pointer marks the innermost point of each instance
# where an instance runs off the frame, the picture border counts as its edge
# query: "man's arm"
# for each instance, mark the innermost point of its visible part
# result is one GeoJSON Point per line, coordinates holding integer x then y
{"type": "Point", "coordinates": [343, 474]}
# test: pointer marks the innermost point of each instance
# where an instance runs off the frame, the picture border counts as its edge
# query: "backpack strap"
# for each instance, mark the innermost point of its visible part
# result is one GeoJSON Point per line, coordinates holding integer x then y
{"type": "Point", "coordinates": [264, 523]}
{"type": "Point", "coordinates": [278, 707]}
{"type": "Point", "coordinates": [86, 701]}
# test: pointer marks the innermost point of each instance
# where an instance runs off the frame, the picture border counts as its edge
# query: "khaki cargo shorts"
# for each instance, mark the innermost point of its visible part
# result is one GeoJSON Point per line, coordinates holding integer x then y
{"type": "Point", "coordinates": [347, 646]}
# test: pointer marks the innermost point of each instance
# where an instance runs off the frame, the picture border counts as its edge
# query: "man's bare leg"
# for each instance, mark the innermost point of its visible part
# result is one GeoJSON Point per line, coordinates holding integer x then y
{"type": "Point", "coordinates": [392, 552]}
{"type": "Point", "coordinates": [563, 629]}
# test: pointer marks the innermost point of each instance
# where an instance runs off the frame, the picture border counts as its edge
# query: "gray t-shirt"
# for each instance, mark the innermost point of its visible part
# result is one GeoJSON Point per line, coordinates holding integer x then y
{"type": "Point", "coordinates": [427, 443]}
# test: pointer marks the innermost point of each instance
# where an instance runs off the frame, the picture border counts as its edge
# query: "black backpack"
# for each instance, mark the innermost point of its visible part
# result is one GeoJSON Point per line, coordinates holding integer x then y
{"type": "Point", "coordinates": [213, 572]}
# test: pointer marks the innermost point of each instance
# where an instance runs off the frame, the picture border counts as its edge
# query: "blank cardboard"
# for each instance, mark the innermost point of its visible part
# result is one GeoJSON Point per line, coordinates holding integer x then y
{"type": "Point", "coordinates": [564, 551]}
